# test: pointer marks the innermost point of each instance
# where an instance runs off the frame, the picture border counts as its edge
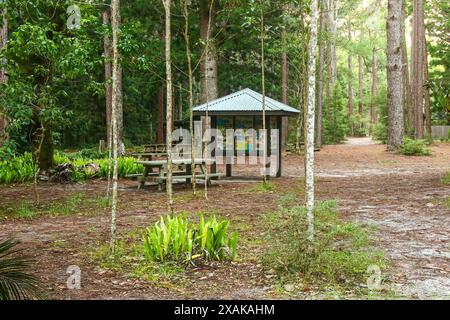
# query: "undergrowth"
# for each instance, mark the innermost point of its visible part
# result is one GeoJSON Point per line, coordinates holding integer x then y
{"type": "Point", "coordinates": [339, 255]}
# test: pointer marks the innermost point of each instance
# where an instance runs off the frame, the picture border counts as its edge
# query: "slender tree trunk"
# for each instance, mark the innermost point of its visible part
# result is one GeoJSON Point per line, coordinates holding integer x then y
{"type": "Point", "coordinates": [322, 46]}
{"type": "Point", "coordinates": [394, 75]}
{"type": "Point", "coordinates": [360, 85]}
{"type": "Point", "coordinates": [374, 90]}
{"type": "Point", "coordinates": [284, 81]}
{"type": "Point", "coordinates": [169, 103]}
{"type": "Point", "coordinates": [191, 92]}
{"type": "Point", "coordinates": [426, 90]}
{"type": "Point", "coordinates": [116, 100]}
{"type": "Point", "coordinates": [3, 75]}
{"type": "Point", "coordinates": [160, 125]}
{"type": "Point", "coordinates": [407, 105]}
{"type": "Point", "coordinates": [263, 88]}
{"type": "Point", "coordinates": [333, 17]}
{"type": "Point", "coordinates": [350, 78]}
{"type": "Point", "coordinates": [107, 52]}
{"type": "Point", "coordinates": [417, 75]}
{"type": "Point", "coordinates": [208, 69]}
{"type": "Point", "coordinates": [309, 133]}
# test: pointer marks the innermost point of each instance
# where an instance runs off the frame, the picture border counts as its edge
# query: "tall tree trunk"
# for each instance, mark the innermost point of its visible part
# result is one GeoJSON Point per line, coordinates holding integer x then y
{"type": "Point", "coordinates": [107, 52]}
{"type": "Point", "coordinates": [309, 128]}
{"type": "Point", "coordinates": [169, 103]}
{"type": "Point", "coordinates": [263, 88]}
{"type": "Point", "coordinates": [116, 100]}
{"type": "Point", "coordinates": [3, 76]}
{"type": "Point", "coordinates": [284, 81]}
{"type": "Point", "coordinates": [374, 90]}
{"type": "Point", "coordinates": [191, 91]}
{"type": "Point", "coordinates": [394, 75]}
{"type": "Point", "coordinates": [208, 68]}
{"type": "Point", "coordinates": [407, 105]}
{"type": "Point", "coordinates": [332, 10]}
{"type": "Point", "coordinates": [417, 75]}
{"type": "Point", "coordinates": [426, 90]}
{"type": "Point", "coordinates": [360, 85]}
{"type": "Point", "coordinates": [350, 77]}
{"type": "Point", "coordinates": [160, 124]}
{"type": "Point", "coordinates": [322, 46]}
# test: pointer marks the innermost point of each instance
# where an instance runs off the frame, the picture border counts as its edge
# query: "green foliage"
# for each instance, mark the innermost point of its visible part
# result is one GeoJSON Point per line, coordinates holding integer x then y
{"type": "Point", "coordinates": [174, 238]}
{"type": "Point", "coordinates": [15, 282]}
{"type": "Point", "coordinates": [262, 187]}
{"type": "Point", "coordinates": [335, 125]}
{"type": "Point", "coordinates": [446, 179]}
{"type": "Point", "coordinates": [339, 255]}
{"type": "Point", "coordinates": [17, 169]}
{"type": "Point", "coordinates": [380, 132]}
{"type": "Point", "coordinates": [411, 147]}
{"type": "Point", "coordinates": [78, 203]}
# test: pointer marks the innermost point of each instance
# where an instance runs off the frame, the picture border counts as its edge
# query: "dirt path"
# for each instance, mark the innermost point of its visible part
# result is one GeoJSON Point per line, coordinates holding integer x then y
{"type": "Point", "coordinates": [401, 196]}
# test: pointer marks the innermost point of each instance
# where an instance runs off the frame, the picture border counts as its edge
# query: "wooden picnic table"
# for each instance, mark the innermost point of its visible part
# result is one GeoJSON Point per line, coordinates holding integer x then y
{"type": "Point", "coordinates": [182, 169]}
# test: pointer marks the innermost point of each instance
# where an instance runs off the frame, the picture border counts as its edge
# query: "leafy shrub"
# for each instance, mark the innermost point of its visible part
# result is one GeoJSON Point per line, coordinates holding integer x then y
{"type": "Point", "coordinates": [446, 179]}
{"type": "Point", "coordinates": [18, 169]}
{"type": "Point", "coordinates": [412, 147]}
{"type": "Point", "coordinates": [380, 132]}
{"type": "Point", "coordinates": [174, 238]}
{"type": "Point", "coordinates": [340, 253]}
{"type": "Point", "coordinates": [264, 187]}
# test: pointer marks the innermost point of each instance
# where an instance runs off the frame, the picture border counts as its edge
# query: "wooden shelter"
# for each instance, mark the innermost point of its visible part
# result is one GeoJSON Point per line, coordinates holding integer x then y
{"type": "Point", "coordinates": [244, 110]}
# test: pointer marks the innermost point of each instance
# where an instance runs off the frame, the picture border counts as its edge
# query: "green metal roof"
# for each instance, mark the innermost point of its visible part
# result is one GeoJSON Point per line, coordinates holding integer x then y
{"type": "Point", "coordinates": [245, 102]}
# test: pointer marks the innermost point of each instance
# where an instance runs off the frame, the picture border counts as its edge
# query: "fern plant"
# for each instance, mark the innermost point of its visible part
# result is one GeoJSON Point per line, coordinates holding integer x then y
{"type": "Point", "coordinates": [15, 282]}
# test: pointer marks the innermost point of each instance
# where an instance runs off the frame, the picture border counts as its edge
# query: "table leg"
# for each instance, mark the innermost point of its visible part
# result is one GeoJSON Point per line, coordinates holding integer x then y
{"type": "Point", "coordinates": [143, 178]}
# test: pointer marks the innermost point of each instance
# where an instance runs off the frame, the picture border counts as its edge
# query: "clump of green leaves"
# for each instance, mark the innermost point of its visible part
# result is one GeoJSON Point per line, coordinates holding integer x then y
{"type": "Point", "coordinates": [15, 281]}
{"type": "Point", "coordinates": [266, 186]}
{"type": "Point", "coordinates": [340, 253]}
{"type": "Point", "coordinates": [446, 179]}
{"type": "Point", "coordinates": [380, 132]}
{"type": "Point", "coordinates": [175, 238]}
{"type": "Point", "coordinates": [17, 169]}
{"type": "Point", "coordinates": [411, 147]}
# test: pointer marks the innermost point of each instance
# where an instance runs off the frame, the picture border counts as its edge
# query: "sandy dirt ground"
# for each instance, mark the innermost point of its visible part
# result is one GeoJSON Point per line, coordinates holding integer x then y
{"type": "Point", "coordinates": [401, 196]}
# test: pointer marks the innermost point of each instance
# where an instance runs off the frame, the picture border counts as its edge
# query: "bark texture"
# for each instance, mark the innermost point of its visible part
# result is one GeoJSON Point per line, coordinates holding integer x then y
{"type": "Point", "coordinates": [350, 77]}
{"type": "Point", "coordinates": [360, 85]}
{"type": "Point", "coordinates": [320, 70]}
{"type": "Point", "coordinates": [208, 67]}
{"type": "Point", "coordinates": [394, 75]}
{"type": "Point", "coordinates": [169, 103]}
{"type": "Point", "coordinates": [374, 89]}
{"type": "Point", "coordinates": [309, 127]}
{"type": "Point", "coordinates": [3, 75]}
{"type": "Point", "coordinates": [417, 74]}
{"type": "Point", "coordinates": [116, 100]}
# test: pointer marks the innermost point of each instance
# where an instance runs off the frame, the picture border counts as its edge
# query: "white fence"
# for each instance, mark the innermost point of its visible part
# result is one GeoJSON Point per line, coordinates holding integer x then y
{"type": "Point", "coordinates": [440, 132]}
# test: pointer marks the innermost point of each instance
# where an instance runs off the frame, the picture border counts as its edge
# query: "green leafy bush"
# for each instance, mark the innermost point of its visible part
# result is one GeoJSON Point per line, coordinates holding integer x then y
{"type": "Point", "coordinates": [174, 238]}
{"type": "Point", "coordinates": [412, 147]}
{"type": "Point", "coordinates": [446, 179]}
{"type": "Point", "coordinates": [339, 254]}
{"type": "Point", "coordinates": [380, 132]}
{"type": "Point", "coordinates": [18, 169]}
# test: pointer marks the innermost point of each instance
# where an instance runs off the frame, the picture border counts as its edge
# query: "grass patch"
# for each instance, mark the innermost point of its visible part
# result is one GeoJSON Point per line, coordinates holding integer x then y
{"type": "Point", "coordinates": [263, 187]}
{"type": "Point", "coordinates": [338, 257]}
{"type": "Point", "coordinates": [446, 179]}
{"type": "Point", "coordinates": [129, 259]}
{"type": "Point", "coordinates": [411, 147]}
{"type": "Point", "coordinates": [75, 204]}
